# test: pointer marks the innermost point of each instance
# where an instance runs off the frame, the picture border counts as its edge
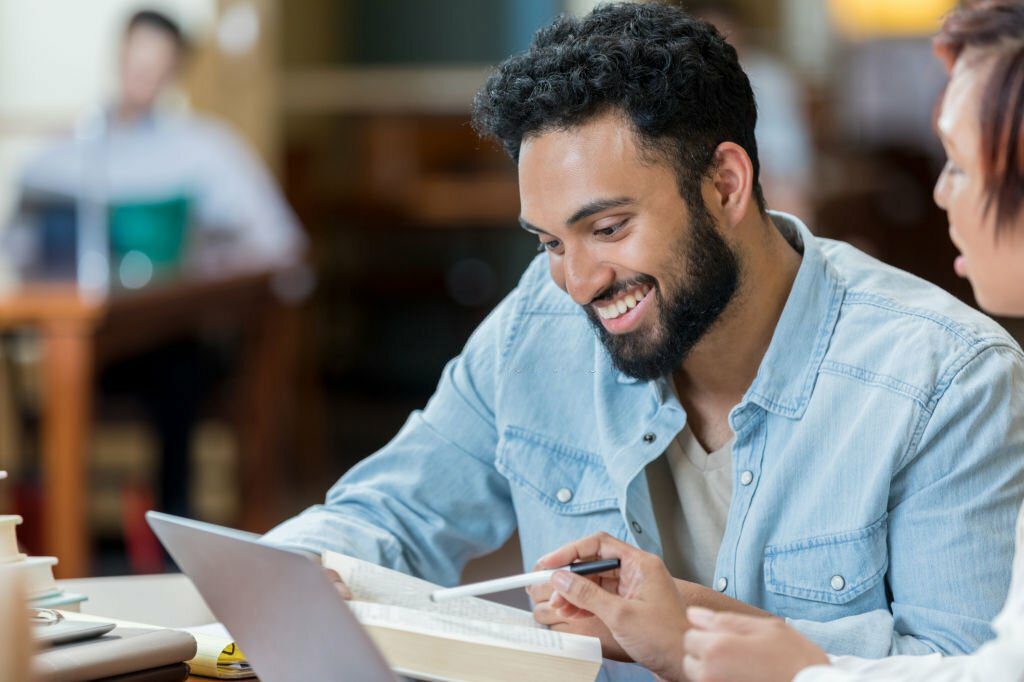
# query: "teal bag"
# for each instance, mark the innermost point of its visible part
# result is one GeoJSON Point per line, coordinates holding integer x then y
{"type": "Point", "coordinates": [156, 229]}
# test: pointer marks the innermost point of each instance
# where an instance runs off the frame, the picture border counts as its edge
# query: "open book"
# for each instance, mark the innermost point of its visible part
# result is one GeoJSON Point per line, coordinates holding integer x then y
{"type": "Point", "coordinates": [464, 639]}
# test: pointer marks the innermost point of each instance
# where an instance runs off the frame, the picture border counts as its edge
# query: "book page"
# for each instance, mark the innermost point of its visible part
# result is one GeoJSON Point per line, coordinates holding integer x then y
{"type": "Point", "coordinates": [539, 640]}
{"type": "Point", "coordinates": [372, 583]}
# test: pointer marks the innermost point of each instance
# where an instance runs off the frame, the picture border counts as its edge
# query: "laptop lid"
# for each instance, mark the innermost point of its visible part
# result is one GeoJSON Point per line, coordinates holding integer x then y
{"type": "Point", "coordinates": [279, 606]}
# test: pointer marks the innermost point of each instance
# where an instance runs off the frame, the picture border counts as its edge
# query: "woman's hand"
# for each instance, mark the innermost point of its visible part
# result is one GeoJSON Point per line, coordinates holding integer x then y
{"type": "Point", "coordinates": [639, 603]}
{"type": "Point", "coordinates": [731, 646]}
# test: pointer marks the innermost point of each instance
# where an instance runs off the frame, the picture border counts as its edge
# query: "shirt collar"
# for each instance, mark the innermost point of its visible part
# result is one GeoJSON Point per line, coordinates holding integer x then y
{"type": "Point", "coordinates": [145, 123]}
{"type": "Point", "coordinates": [789, 369]}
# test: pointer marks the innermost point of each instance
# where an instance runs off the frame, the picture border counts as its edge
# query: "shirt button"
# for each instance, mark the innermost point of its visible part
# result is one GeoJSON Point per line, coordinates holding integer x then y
{"type": "Point", "coordinates": [746, 478]}
{"type": "Point", "coordinates": [838, 582]}
{"type": "Point", "coordinates": [722, 583]}
{"type": "Point", "coordinates": [563, 495]}
{"type": "Point", "coordinates": [649, 438]}
{"type": "Point", "coordinates": [637, 528]}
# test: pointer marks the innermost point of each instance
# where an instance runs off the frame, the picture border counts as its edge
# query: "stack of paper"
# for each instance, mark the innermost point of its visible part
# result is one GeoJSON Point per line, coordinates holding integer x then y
{"type": "Point", "coordinates": [9, 539]}
{"type": "Point", "coordinates": [36, 571]}
{"type": "Point", "coordinates": [217, 655]}
{"type": "Point", "coordinates": [15, 644]}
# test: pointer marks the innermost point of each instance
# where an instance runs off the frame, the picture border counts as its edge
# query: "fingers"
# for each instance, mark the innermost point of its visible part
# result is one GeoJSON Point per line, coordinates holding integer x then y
{"type": "Point", "coordinates": [587, 595]}
{"type": "Point", "coordinates": [721, 634]}
{"type": "Point", "coordinates": [566, 610]}
{"type": "Point", "coordinates": [339, 584]}
{"type": "Point", "coordinates": [545, 594]}
{"type": "Point", "coordinates": [545, 615]}
{"type": "Point", "coordinates": [343, 590]}
{"type": "Point", "coordinates": [599, 545]}
{"type": "Point", "coordinates": [697, 643]}
{"type": "Point", "coordinates": [593, 627]}
{"type": "Point", "coordinates": [540, 593]}
{"type": "Point", "coordinates": [727, 622]}
{"type": "Point", "coordinates": [693, 668]}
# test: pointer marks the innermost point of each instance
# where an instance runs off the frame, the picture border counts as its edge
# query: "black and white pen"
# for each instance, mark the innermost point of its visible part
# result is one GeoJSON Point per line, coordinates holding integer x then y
{"type": "Point", "coordinates": [522, 580]}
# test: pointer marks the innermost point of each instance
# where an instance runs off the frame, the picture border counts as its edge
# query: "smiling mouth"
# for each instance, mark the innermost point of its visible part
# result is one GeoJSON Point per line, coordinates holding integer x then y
{"type": "Point", "coordinates": [623, 304]}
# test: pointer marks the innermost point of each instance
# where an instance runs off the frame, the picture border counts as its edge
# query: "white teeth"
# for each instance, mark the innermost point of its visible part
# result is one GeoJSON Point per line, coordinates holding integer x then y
{"type": "Point", "coordinates": [628, 302]}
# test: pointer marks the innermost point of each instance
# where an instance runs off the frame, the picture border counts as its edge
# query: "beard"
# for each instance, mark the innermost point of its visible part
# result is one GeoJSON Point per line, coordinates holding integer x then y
{"type": "Point", "coordinates": [686, 313]}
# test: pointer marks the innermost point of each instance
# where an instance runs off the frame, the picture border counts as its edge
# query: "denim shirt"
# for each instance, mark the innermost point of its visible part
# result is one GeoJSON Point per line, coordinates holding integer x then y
{"type": "Point", "coordinates": [878, 460]}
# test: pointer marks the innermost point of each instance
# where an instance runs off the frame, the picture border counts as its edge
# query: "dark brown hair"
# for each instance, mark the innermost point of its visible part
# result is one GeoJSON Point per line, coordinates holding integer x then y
{"type": "Point", "coordinates": [997, 27]}
{"type": "Point", "coordinates": [161, 22]}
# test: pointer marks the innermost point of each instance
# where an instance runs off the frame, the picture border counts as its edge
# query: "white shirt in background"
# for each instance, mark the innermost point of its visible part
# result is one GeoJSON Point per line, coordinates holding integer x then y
{"type": "Point", "coordinates": [1000, 660]}
{"type": "Point", "coordinates": [166, 155]}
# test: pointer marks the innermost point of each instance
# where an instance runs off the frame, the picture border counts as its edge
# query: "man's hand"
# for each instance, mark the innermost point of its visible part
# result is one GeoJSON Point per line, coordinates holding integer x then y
{"type": "Point", "coordinates": [332, 575]}
{"type": "Point", "coordinates": [639, 604]}
{"type": "Point", "coordinates": [545, 614]}
{"type": "Point", "coordinates": [339, 584]}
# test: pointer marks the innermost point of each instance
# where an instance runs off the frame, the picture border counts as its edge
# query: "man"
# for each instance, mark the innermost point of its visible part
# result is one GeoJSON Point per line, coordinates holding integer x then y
{"type": "Point", "coordinates": [794, 426]}
{"type": "Point", "coordinates": [146, 152]}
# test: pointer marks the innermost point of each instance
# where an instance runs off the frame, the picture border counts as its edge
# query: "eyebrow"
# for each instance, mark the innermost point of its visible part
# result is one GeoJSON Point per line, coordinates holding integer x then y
{"type": "Point", "coordinates": [597, 206]}
{"type": "Point", "coordinates": [531, 228]}
{"type": "Point", "coordinates": [584, 211]}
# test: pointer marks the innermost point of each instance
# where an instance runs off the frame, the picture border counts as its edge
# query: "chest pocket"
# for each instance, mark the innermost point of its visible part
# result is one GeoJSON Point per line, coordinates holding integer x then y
{"type": "Point", "coordinates": [564, 479]}
{"type": "Point", "coordinates": [834, 569]}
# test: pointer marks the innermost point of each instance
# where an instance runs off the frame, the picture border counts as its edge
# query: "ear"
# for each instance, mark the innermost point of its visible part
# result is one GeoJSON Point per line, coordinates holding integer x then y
{"type": "Point", "coordinates": [733, 182]}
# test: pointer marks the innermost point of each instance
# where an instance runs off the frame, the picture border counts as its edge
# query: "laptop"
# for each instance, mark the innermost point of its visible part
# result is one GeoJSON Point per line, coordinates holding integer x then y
{"type": "Point", "coordinates": [281, 608]}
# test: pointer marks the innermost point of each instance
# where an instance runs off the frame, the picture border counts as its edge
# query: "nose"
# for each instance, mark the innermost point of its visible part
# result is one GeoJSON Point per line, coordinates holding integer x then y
{"type": "Point", "coordinates": [585, 277]}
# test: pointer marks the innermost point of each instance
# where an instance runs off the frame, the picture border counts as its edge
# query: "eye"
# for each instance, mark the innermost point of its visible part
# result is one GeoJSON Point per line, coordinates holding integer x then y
{"type": "Point", "coordinates": [952, 168]}
{"type": "Point", "coordinates": [609, 231]}
{"type": "Point", "coordinates": [549, 245]}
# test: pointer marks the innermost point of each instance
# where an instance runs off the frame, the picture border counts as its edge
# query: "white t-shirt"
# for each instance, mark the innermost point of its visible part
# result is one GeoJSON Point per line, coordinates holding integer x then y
{"type": "Point", "coordinates": [691, 490]}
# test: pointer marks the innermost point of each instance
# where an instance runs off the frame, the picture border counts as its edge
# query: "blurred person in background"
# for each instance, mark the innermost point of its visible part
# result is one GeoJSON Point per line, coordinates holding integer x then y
{"type": "Point", "coordinates": [147, 152]}
{"type": "Point", "coordinates": [981, 188]}
{"type": "Point", "coordinates": [183, 190]}
{"type": "Point", "coordinates": [787, 421]}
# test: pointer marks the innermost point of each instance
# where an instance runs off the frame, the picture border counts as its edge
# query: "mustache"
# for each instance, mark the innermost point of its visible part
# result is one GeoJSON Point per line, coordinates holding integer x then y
{"type": "Point", "coordinates": [620, 287]}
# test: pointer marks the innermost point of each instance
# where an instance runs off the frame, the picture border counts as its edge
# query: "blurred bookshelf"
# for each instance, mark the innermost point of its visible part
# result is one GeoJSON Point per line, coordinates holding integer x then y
{"type": "Point", "coordinates": [413, 218]}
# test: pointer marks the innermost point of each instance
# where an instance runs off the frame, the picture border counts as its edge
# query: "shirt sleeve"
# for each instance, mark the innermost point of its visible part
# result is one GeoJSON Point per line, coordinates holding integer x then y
{"type": "Point", "coordinates": [237, 192]}
{"type": "Point", "coordinates": [952, 508]}
{"type": "Point", "coordinates": [1001, 660]}
{"type": "Point", "coordinates": [431, 499]}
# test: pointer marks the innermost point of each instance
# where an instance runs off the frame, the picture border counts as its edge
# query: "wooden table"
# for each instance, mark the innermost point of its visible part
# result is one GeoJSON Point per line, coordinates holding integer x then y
{"type": "Point", "coordinates": [80, 334]}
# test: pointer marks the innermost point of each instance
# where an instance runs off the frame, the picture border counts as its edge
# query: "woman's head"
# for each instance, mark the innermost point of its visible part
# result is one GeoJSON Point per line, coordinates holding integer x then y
{"type": "Point", "coordinates": [981, 123]}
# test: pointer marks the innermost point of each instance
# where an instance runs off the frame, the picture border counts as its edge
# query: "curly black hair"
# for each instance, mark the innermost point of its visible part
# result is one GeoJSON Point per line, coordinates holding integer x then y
{"type": "Point", "coordinates": [673, 76]}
